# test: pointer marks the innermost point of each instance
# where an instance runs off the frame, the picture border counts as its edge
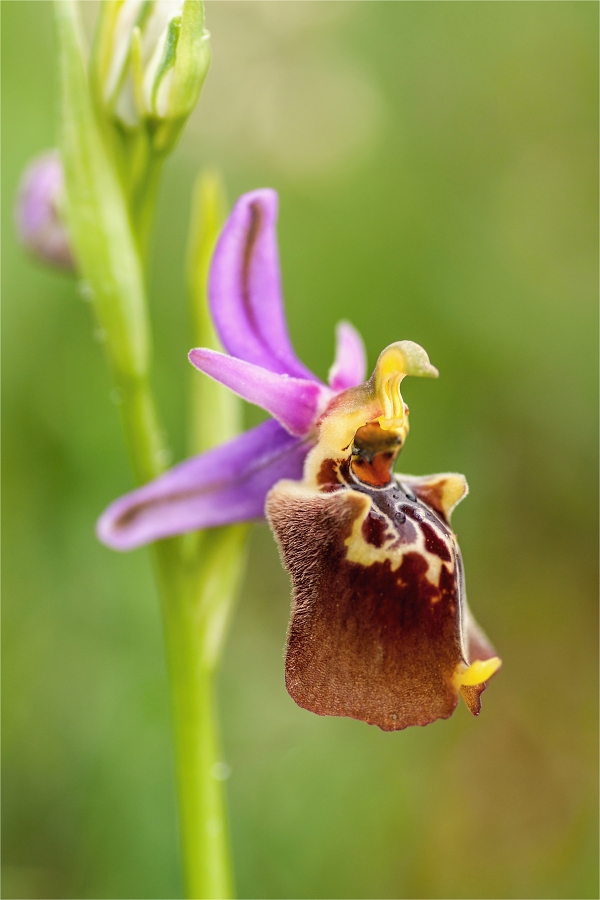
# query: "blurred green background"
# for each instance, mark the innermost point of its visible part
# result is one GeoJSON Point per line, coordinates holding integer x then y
{"type": "Point", "coordinates": [437, 170]}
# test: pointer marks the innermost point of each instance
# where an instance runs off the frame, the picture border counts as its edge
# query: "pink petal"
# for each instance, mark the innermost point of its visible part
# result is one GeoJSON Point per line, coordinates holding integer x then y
{"type": "Point", "coordinates": [296, 402]}
{"type": "Point", "coordinates": [350, 365]}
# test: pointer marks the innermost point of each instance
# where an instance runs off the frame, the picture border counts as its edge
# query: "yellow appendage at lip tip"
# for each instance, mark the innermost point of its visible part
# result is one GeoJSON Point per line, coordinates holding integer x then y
{"type": "Point", "coordinates": [479, 671]}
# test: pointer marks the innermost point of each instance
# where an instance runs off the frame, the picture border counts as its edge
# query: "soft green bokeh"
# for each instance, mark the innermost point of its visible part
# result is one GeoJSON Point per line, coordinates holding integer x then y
{"type": "Point", "coordinates": [437, 170]}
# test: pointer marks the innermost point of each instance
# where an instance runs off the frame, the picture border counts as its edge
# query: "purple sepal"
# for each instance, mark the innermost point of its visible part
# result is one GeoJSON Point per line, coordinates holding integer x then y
{"type": "Point", "coordinates": [350, 365]}
{"type": "Point", "coordinates": [244, 288]}
{"type": "Point", "coordinates": [225, 485]}
{"type": "Point", "coordinates": [296, 402]}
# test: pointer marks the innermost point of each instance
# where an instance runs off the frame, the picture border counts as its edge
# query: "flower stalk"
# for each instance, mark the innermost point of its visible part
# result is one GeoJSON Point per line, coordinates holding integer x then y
{"type": "Point", "coordinates": [198, 576]}
{"type": "Point", "coordinates": [196, 619]}
{"type": "Point", "coordinates": [106, 252]}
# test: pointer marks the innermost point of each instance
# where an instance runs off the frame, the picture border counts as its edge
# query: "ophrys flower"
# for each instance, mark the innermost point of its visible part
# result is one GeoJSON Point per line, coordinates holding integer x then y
{"type": "Point", "coordinates": [380, 627]}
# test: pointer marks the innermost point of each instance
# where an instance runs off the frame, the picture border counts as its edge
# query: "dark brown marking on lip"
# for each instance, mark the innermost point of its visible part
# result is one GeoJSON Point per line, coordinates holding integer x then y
{"type": "Point", "coordinates": [413, 571]}
{"type": "Point", "coordinates": [405, 532]}
{"type": "Point", "coordinates": [414, 511]}
{"type": "Point", "coordinates": [344, 472]}
{"type": "Point", "coordinates": [447, 585]}
{"type": "Point", "coordinates": [328, 478]}
{"type": "Point", "coordinates": [251, 238]}
{"type": "Point", "coordinates": [366, 642]}
{"type": "Point", "coordinates": [388, 500]}
{"type": "Point", "coordinates": [434, 543]}
{"type": "Point", "coordinates": [374, 529]}
{"type": "Point", "coordinates": [420, 513]}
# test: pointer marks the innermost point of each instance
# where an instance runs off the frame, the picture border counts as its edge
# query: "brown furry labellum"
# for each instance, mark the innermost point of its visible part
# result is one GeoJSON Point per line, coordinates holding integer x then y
{"type": "Point", "coordinates": [380, 628]}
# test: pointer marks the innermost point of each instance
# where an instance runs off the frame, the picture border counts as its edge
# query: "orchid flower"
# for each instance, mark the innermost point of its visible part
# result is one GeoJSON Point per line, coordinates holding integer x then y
{"type": "Point", "coordinates": [380, 627]}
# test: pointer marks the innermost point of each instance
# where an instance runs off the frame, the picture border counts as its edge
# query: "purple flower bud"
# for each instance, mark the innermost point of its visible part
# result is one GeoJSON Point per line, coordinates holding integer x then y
{"type": "Point", "coordinates": [37, 211]}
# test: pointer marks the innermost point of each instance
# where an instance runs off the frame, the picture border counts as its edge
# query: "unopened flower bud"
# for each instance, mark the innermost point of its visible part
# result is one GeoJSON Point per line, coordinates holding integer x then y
{"type": "Point", "coordinates": [152, 60]}
{"type": "Point", "coordinates": [38, 216]}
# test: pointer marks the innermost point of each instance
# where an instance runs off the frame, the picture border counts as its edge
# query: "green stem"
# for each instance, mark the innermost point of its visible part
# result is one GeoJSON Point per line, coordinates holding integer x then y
{"type": "Point", "coordinates": [216, 560]}
{"type": "Point", "coordinates": [143, 435]}
{"type": "Point", "coordinates": [196, 617]}
{"type": "Point", "coordinates": [198, 578]}
{"type": "Point", "coordinates": [201, 816]}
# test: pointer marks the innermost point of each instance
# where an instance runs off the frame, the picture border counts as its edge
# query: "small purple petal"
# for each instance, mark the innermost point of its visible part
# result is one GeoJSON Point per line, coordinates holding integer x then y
{"type": "Point", "coordinates": [225, 485]}
{"type": "Point", "coordinates": [37, 217]}
{"type": "Point", "coordinates": [295, 402]}
{"type": "Point", "coordinates": [350, 366]}
{"type": "Point", "coordinates": [244, 288]}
